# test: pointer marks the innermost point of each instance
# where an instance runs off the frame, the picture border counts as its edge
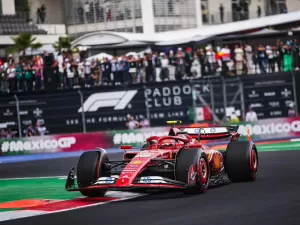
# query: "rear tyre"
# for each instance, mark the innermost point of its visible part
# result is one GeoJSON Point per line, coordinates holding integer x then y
{"type": "Point", "coordinates": [90, 167]}
{"type": "Point", "coordinates": [192, 168]}
{"type": "Point", "coordinates": [241, 161]}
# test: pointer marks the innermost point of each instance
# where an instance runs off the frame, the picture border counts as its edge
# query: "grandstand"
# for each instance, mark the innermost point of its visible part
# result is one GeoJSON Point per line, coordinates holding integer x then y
{"type": "Point", "coordinates": [13, 25]}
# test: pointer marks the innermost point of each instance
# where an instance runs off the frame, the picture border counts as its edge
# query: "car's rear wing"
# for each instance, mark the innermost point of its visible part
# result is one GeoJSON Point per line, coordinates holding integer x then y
{"type": "Point", "coordinates": [210, 133]}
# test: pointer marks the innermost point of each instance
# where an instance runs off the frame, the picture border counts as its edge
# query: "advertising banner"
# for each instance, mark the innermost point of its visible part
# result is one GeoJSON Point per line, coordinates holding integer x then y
{"type": "Point", "coordinates": [109, 108]}
{"type": "Point", "coordinates": [271, 128]}
{"type": "Point", "coordinates": [261, 130]}
{"type": "Point", "coordinates": [55, 143]}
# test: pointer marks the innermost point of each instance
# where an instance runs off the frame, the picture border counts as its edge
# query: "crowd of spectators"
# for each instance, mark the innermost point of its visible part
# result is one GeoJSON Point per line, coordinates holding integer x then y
{"type": "Point", "coordinates": [66, 72]}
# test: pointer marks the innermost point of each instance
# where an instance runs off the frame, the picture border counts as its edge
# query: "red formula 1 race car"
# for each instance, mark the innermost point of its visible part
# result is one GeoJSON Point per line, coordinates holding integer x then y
{"type": "Point", "coordinates": [177, 161]}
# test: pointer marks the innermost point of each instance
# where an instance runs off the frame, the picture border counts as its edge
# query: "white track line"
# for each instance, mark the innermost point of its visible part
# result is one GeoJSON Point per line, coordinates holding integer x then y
{"type": "Point", "coordinates": [13, 215]}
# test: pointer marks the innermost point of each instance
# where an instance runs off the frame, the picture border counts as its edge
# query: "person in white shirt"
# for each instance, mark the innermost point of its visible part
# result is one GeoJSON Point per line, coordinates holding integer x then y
{"type": "Point", "coordinates": [87, 67]}
{"type": "Point", "coordinates": [211, 59]}
{"type": "Point", "coordinates": [196, 67]}
{"type": "Point", "coordinates": [239, 60]}
{"type": "Point", "coordinates": [11, 75]}
{"type": "Point", "coordinates": [164, 74]}
{"type": "Point", "coordinates": [249, 58]}
{"type": "Point", "coordinates": [251, 116]}
{"type": "Point", "coordinates": [70, 73]}
{"type": "Point", "coordinates": [132, 124]}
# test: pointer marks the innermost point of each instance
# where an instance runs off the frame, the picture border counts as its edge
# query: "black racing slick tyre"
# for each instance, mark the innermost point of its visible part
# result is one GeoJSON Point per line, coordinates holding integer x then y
{"type": "Point", "coordinates": [241, 161]}
{"type": "Point", "coordinates": [192, 168]}
{"type": "Point", "coordinates": [90, 167]}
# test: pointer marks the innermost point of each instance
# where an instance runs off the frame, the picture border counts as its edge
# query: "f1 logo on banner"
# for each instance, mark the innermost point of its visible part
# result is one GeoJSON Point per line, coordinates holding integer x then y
{"type": "Point", "coordinates": [119, 100]}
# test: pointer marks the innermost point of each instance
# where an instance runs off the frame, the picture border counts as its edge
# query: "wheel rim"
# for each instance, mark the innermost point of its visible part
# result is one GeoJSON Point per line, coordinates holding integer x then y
{"type": "Point", "coordinates": [254, 162]}
{"type": "Point", "coordinates": [203, 171]}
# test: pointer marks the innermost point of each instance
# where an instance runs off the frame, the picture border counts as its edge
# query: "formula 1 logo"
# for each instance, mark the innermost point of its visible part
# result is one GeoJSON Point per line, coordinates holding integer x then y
{"type": "Point", "coordinates": [119, 100]}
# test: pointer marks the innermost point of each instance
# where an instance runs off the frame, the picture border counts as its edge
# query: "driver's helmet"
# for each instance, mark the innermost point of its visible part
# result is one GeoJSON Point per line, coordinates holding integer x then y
{"type": "Point", "coordinates": [168, 143]}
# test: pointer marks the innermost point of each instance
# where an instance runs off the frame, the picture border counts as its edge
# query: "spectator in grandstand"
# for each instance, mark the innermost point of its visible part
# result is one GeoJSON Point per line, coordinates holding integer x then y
{"type": "Point", "coordinates": [28, 76]}
{"type": "Point", "coordinates": [144, 122]}
{"type": "Point", "coordinates": [249, 58]}
{"type": "Point", "coordinates": [9, 134]}
{"type": "Point", "coordinates": [149, 68]}
{"type": "Point", "coordinates": [132, 69]}
{"type": "Point", "coordinates": [30, 131]}
{"type": "Point", "coordinates": [39, 130]}
{"type": "Point", "coordinates": [251, 115]}
{"type": "Point", "coordinates": [41, 14]}
{"type": "Point", "coordinates": [210, 59]}
{"type": "Point", "coordinates": [258, 11]}
{"type": "Point", "coordinates": [239, 60]}
{"type": "Point", "coordinates": [125, 70]}
{"type": "Point", "coordinates": [292, 111]}
{"type": "Point", "coordinates": [180, 67]}
{"type": "Point", "coordinates": [10, 59]}
{"type": "Point", "coordinates": [188, 62]}
{"type": "Point", "coordinates": [19, 77]}
{"type": "Point", "coordinates": [3, 79]}
{"type": "Point", "coordinates": [11, 75]}
{"type": "Point", "coordinates": [196, 67]}
{"type": "Point", "coordinates": [37, 70]}
{"type": "Point", "coordinates": [204, 14]}
{"type": "Point", "coordinates": [87, 73]}
{"type": "Point", "coordinates": [172, 64]}
{"type": "Point", "coordinates": [226, 58]}
{"type": "Point", "coordinates": [69, 73]}
{"type": "Point", "coordinates": [2, 134]}
{"type": "Point", "coordinates": [132, 123]}
{"type": "Point", "coordinates": [140, 78]}
{"type": "Point", "coordinates": [234, 118]}
{"type": "Point", "coordinates": [115, 69]}
{"type": "Point", "coordinates": [164, 74]}
{"type": "Point", "coordinates": [203, 61]}
{"type": "Point", "coordinates": [221, 8]}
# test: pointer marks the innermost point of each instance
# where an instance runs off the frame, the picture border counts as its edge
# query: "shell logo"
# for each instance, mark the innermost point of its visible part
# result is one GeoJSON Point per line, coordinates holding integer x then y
{"type": "Point", "coordinates": [136, 162]}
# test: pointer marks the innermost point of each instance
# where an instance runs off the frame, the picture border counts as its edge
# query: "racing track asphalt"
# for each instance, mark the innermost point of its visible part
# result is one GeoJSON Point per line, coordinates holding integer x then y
{"type": "Point", "coordinates": [272, 199]}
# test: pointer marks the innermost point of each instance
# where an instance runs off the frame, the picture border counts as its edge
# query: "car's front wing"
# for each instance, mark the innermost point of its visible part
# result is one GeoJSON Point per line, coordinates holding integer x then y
{"type": "Point", "coordinates": [150, 182]}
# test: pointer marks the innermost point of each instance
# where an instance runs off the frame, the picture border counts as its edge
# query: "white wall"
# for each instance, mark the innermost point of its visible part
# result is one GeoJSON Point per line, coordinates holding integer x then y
{"type": "Point", "coordinates": [8, 7]}
{"type": "Point", "coordinates": [293, 5]}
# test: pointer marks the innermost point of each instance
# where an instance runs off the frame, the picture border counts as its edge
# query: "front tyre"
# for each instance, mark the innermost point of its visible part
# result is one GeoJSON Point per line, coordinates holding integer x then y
{"type": "Point", "coordinates": [241, 161]}
{"type": "Point", "coordinates": [192, 168]}
{"type": "Point", "coordinates": [90, 167]}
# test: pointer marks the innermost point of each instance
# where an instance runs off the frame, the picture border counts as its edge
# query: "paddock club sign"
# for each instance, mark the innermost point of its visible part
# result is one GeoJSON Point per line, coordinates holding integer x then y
{"type": "Point", "coordinates": [108, 108]}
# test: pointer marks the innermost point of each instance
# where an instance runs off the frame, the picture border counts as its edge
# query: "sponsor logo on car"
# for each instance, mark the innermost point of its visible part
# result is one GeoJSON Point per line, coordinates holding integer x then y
{"type": "Point", "coordinates": [144, 154]}
{"type": "Point", "coordinates": [136, 162]}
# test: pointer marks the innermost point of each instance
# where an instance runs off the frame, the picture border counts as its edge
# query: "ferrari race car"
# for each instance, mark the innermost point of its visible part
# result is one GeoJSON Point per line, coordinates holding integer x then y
{"type": "Point", "coordinates": [177, 161]}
